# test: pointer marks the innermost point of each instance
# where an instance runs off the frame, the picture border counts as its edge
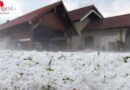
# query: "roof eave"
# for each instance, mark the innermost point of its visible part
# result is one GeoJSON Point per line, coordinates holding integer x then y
{"type": "Point", "coordinates": [105, 29]}
{"type": "Point", "coordinates": [90, 12]}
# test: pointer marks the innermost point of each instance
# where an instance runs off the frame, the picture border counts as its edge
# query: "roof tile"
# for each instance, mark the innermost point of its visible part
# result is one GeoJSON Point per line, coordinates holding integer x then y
{"type": "Point", "coordinates": [111, 22]}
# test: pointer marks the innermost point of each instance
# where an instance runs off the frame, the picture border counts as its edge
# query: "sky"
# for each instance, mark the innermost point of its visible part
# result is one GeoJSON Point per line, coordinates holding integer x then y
{"type": "Point", "coordinates": [107, 8]}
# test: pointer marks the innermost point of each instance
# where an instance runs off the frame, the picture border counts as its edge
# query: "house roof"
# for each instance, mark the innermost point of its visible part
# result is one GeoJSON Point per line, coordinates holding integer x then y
{"type": "Point", "coordinates": [52, 20]}
{"type": "Point", "coordinates": [29, 16]}
{"type": "Point", "coordinates": [105, 23]}
{"type": "Point", "coordinates": [109, 23]}
{"type": "Point", "coordinates": [80, 13]}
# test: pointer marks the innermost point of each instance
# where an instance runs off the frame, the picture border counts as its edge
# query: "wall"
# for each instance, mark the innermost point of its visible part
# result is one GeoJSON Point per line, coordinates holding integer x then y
{"type": "Point", "coordinates": [106, 38]}
{"type": "Point", "coordinates": [77, 40]}
{"type": "Point", "coordinates": [127, 40]}
{"type": "Point", "coordinates": [81, 25]}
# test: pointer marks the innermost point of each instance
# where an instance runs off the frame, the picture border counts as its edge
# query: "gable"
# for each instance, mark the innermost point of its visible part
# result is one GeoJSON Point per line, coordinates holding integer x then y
{"type": "Point", "coordinates": [52, 20]}
{"type": "Point", "coordinates": [83, 16]}
{"type": "Point", "coordinates": [91, 12]}
{"type": "Point", "coordinates": [77, 15]}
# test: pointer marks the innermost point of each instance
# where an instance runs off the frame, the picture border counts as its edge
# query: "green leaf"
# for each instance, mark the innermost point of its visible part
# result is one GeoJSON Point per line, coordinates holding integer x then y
{"type": "Point", "coordinates": [21, 73]}
{"type": "Point", "coordinates": [28, 59]}
{"type": "Point", "coordinates": [126, 59]}
{"type": "Point", "coordinates": [37, 63]}
{"type": "Point", "coordinates": [69, 79]}
{"type": "Point", "coordinates": [49, 69]}
{"type": "Point", "coordinates": [98, 53]}
{"type": "Point", "coordinates": [25, 58]}
{"type": "Point", "coordinates": [83, 65]}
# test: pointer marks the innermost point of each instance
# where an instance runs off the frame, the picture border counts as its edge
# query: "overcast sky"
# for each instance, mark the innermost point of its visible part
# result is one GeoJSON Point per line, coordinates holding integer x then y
{"type": "Point", "coordinates": [106, 7]}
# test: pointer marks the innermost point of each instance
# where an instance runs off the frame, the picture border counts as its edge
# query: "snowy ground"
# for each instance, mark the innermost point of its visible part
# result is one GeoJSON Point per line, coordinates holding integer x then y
{"type": "Point", "coordinates": [64, 71]}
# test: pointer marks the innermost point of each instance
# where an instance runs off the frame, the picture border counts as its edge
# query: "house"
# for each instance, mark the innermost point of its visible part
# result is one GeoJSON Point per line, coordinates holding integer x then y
{"type": "Point", "coordinates": [54, 28]}
{"type": "Point", "coordinates": [46, 28]}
